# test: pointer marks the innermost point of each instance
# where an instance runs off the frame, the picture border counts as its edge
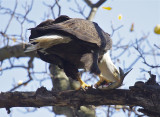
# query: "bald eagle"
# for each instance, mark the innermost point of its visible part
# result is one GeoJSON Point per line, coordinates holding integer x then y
{"type": "Point", "coordinates": [72, 44]}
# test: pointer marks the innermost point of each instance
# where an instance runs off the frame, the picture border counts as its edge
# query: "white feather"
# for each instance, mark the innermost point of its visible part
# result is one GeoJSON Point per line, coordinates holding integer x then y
{"type": "Point", "coordinates": [30, 48]}
{"type": "Point", "coordinates": [108, 69]}
{"type": "Point", "coordinates": [47, 41]}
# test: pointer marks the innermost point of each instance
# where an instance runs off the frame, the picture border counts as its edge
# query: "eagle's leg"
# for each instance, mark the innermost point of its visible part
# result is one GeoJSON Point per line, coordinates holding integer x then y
{"type": "Point", "coordinates": [83, 84]}
{"type": "Point", "coordinates": [101, 82]}
{"type": "Point", "coordinates": [111, 84]}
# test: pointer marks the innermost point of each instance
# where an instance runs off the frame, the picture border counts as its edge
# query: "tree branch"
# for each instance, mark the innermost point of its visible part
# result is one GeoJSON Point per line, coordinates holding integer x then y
{"type": "Point", "coordinates": [89, 3]}
{"type": "Point", "coordinates": [99, 3]}
{"type": "Point", "coordinates": [141, 94]}
{"type": "Point", "coordinates": [92, 13]}
{"type": "Point", "coordinates": [15, 51]}
{"type": "Point", "coordinates": [94, 8]}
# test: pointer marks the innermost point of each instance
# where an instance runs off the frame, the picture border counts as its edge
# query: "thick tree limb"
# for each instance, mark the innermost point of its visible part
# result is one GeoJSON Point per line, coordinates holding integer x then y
{"type": "Point", "coordinates": [14, 51]}
{"type": "Point", "coordinates": [146, 95]}
{"type": "Point", "coordinates": [99, 3]}
{"type": "Point", "coordinates": [89, 3]}
{"type": "Point", "coordinates": [94, 8]}
{"type": "Point", "coordinates": [61, 83]}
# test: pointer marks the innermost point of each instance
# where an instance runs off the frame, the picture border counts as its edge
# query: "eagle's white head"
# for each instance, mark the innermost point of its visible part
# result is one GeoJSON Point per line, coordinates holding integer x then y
{"type": "Point", "coordinates": [109, 73]}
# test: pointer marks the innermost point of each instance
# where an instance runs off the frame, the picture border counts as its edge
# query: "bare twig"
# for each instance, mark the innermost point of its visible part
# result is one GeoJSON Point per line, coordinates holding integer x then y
{"type": "Point", "coordinates": [30, 66]}
{"type": "Point", "coordinates": [94, 8]}
{"type": "Point", "coordinates": [156, 46]}
{"type": "Point", "coordinates": [51, 7]}
{"type": "Point", "coordinates": [142, 56]}
{"type": "Point", "coordinates": [12, 15]}
{"type": "Point", "coordinates": [115, 29]}
{"type": "Point", "coordinates": [80, 10]}
{"type": "Point", "coordinates": [89, 3]}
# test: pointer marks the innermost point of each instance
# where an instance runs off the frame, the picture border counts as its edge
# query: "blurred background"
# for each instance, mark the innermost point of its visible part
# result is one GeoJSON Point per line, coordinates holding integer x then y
{"type": "Point", "coordinates": [134, 26]}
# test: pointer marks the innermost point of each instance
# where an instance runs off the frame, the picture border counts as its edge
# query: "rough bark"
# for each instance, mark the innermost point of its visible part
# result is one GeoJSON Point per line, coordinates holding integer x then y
{"type": "Point", "coordinates": [145, 95]}
{"type": "Point", "coordinates": [15, 51]}
{"type": "Point", "coordinates": [61, 83]}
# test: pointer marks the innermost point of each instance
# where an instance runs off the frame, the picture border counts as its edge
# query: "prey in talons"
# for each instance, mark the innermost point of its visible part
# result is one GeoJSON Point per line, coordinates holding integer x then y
{"type": "Point", "coordinates": [106, 84]}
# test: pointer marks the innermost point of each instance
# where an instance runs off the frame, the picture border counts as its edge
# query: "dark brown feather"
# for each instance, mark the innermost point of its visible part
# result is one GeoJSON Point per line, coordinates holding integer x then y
{"type": "Point", "coordinates": [89, 43]}
{"type": "Point", "coordinates": [81, 29]}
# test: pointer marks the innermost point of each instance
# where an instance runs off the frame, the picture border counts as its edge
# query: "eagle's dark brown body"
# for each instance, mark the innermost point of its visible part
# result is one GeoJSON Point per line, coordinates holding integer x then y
{"type": "Point", "coordinates": [88, 43]}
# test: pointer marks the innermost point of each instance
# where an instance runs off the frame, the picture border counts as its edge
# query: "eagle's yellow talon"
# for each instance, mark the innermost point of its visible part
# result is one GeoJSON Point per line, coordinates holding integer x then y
{"type": "Point", "coordinates": [101, 81]}
{"type": "Point", "coordinates": [83, 84]}
{"type": "Point", "coordinates": [98, 84]}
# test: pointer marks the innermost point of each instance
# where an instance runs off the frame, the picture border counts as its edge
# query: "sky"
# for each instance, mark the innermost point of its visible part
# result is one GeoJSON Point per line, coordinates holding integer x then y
{"type": "Point", "coordinates": [145, 14]}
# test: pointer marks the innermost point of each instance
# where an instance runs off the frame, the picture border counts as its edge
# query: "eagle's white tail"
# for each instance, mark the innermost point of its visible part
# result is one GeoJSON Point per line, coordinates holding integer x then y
{"type": "Point", "coordinates": [30, 48]}
{"type": "Point", "coordinates": [46, 41]}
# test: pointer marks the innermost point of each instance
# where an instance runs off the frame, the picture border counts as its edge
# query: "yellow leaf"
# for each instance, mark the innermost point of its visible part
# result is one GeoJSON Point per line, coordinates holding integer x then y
{"type": "Point", "coordinates": [120, 17]}
{"type": "Point", "coordinates": [20, 82]}
{"type": "Point", "coordinates": [157, 29]}
{"type": "Point", "coordinates": [107, 8]}
{"type": "Point", "coordinates": [14, 39]}
{"type": "Point", "coordinates": [132, 27]}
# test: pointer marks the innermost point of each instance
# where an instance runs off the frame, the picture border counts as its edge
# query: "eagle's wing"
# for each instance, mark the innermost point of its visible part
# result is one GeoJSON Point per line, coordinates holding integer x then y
{"type": "Point", "coordinates": [81, 29]}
